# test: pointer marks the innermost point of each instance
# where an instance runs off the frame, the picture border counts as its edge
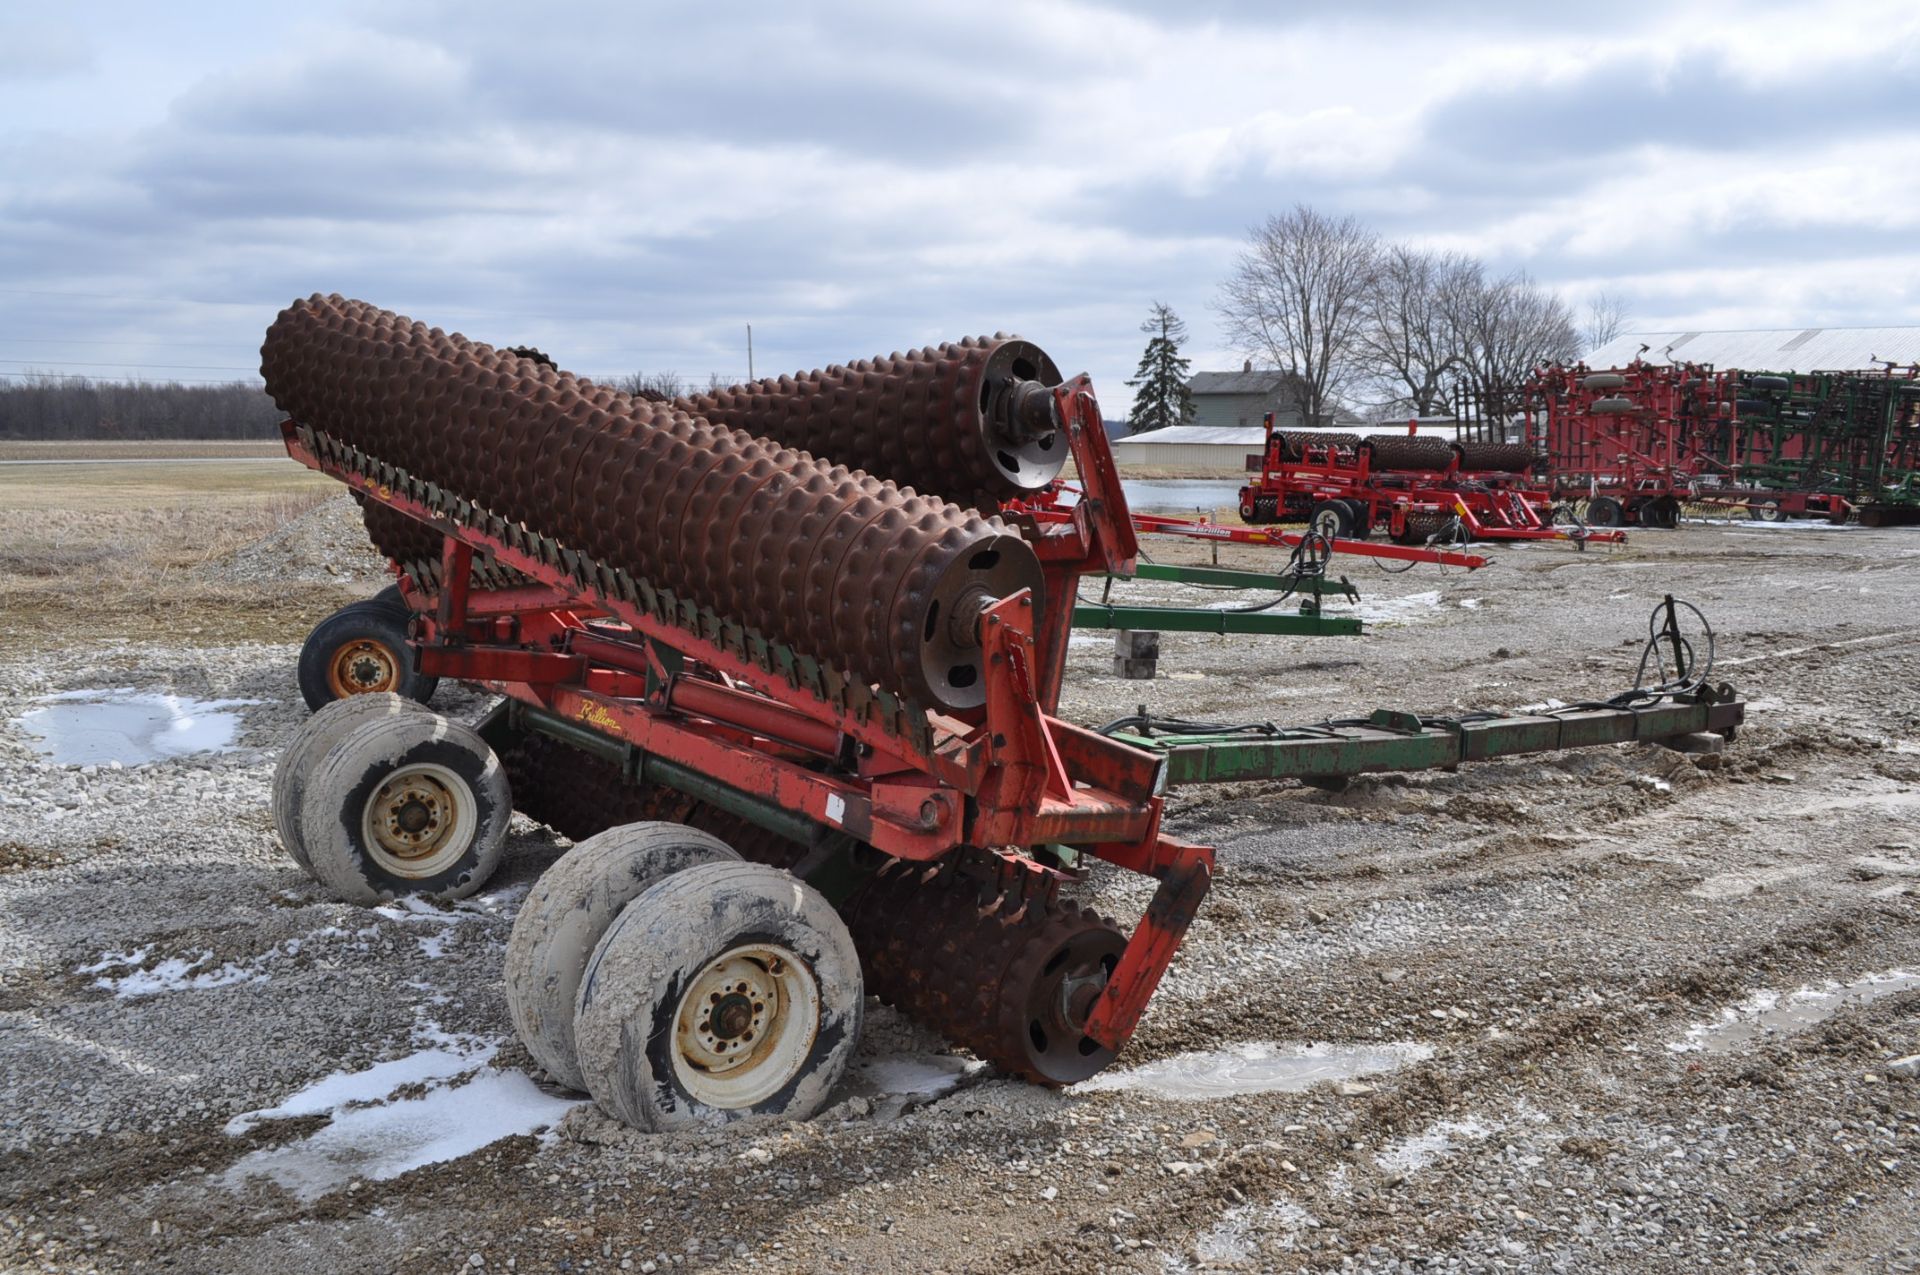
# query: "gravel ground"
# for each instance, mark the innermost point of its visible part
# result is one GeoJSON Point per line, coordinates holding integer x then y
{"type": "Point", "coordinates": [1621, 1010]}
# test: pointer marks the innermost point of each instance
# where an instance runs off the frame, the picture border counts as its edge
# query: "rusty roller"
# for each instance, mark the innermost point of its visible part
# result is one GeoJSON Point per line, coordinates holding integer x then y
{"type": "Point", "coordinates": [1498, 457]}
{"type": "Point", "coordinates": [1296, 441]}
{"type": "Point", "coordinates": [1407, 452]}
{"type": "Point", "coordinates": [837, 564]}
{"type": "Point", "coordinates": [1012, 978]}
{"type": "Point", "coordinates": [398, 537]}
{"type": "Point", "coordinates": [971, 421]}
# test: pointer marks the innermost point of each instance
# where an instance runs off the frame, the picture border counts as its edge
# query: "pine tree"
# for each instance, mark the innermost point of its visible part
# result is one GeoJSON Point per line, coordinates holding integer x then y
{"type": "Point", "coordinates": [1161, 380]}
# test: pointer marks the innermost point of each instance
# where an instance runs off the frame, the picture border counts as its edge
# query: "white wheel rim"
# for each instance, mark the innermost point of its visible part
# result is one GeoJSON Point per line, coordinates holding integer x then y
{"type": "Point", "coordinates": [419, 822]}
{"type": "Point", "coordinates": [745, 1026]}
{"type": "Point", "coordinates": [1327, 524]}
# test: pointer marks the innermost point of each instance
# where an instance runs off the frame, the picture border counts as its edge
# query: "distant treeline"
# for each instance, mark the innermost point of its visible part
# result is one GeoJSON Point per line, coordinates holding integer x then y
{"type": "Point", "coordinates": [63, 407]}
{"type": "Point", "coordinates": [70, 407]}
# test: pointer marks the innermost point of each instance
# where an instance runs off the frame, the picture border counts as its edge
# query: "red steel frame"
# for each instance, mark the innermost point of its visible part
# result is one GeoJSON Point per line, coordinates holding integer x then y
{"type": "Point", "coordinates": [1045, 507]}
{"type": "Point", "coordinates": [1492, 506]}
{"type": "Point", "coordinates": [1010, 774]}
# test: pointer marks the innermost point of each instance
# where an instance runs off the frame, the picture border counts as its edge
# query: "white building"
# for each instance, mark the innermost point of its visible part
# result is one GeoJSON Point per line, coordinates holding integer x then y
{"type": "Point", "coordinates": [1767, 349]}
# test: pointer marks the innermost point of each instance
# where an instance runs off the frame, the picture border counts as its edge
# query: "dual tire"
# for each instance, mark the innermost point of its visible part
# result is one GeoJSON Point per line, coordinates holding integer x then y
{"type": "Point", "coordinates": [680, 986]}
{"type": "Point", "coordinates": [377, 797]}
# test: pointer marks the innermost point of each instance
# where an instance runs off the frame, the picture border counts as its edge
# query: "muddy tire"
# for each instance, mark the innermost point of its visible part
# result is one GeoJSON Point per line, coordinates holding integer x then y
{"type": "Point", "coordinates": [361, 649]}
{"type": "Point", "coordinates": [1605, 511]}
{"type": "Point", "coordinates": [729, 991]}
{"type": "Point", "coordinates": [568, 911]}
{"type": "Point", "coordinates": [406, 804]}
{"type": "Point", "coordinates": [312, 742]}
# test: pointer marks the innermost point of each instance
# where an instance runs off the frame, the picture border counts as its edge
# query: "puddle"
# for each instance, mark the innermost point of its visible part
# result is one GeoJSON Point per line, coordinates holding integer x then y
{"type": "Point", "coordinates": [1769, 1013]}
{"type": "Point", "coordinates": [1257, 1067]}
{"type": "Point", "coordinates": [375, 1135]}
{"type": "Point", "coordinates": [920, 1076]}
{"type": "Point", "coordinates": [85, 728]}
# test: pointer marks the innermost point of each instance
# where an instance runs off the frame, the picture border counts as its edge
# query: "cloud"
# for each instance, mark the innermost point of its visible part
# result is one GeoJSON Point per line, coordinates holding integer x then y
{"type": "Point", "coordinates": [41, 48]}
{"type": "Point", "coordinates": [631, 186]}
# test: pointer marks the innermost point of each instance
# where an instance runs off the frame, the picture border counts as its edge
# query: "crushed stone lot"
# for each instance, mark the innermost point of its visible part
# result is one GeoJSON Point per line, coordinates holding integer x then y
{"type": "Point", "coordinates": [1621, 1009]}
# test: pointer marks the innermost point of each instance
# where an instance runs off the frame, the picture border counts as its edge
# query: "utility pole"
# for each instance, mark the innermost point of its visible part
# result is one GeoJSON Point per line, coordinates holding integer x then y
{"type": "Point", "coordinates": [749, 351]}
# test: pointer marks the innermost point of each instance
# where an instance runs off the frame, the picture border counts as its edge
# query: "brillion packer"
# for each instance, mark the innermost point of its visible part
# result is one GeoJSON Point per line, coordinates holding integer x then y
{"type": "Point", "coordinates": [1416, 489]}
{"type": "Point", "coordinates": [799, 719]}
{"type": "Point", "coordinates": [1638, 443]}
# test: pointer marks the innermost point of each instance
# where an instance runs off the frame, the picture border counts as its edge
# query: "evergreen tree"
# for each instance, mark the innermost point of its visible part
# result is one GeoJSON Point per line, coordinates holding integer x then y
{"type": "Point", "coordinates": [1162, 397]}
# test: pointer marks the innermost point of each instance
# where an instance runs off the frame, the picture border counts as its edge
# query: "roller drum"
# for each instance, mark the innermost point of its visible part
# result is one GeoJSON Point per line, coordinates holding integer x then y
{"type": "Point", "coordinates": [838, 564]}
{"type": "Point", "coordinates": [1298, 440]}
{"type": "Point", "coordinates": [1407, 452]}
{"type": "Point", "coordinates": [1505, 458]}
{"type": "Point", "coordinates": [963, 420]}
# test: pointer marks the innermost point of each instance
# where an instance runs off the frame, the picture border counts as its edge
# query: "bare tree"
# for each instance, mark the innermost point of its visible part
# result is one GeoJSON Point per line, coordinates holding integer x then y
{"type": "Point", "coordinates": [657, 386]}
{"type": "Point", "coordinates": [1296, 301]}
{"type": "Point", "coordinates": [1507, 327]}
{"type": "Point", "coordinates": [1409, 341]}
{"type": "Point", "coordinates": [1607, 317]}
{"type": "Point", "coordinates": [56, 405]}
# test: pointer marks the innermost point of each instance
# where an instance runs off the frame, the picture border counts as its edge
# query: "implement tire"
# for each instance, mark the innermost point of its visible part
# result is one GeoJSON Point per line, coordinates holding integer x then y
{"type": "Point", "coordinates": [729, 991]}
{"type": "Point", "coordinates": [406, 804]}
{"type": "Point", "coordinates": [361, 649]}
{"type": "Point", "coordinates": [312, 742]}
{"type": "Point", "coordinates": [566, 915]}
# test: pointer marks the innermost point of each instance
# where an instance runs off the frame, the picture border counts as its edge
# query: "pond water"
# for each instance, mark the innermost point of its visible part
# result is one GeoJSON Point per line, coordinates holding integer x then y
{"type": "Point", "coordinates": [96, 727]}
{"type": "Point", "coordinates": [1182, 494]}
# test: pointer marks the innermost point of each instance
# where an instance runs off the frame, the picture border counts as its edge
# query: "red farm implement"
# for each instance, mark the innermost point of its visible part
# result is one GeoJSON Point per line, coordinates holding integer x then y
{"type": "Point", "coordinates": [765, 836]}
{"type": "Point", "coordinates": [1638, 443]}
{"type": "Point", "coordinates": [1418, 489]}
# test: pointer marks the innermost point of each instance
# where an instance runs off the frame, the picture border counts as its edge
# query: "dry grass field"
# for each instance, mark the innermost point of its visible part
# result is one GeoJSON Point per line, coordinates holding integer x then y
{"type": "Point", "coordinates": [139, 449]}
{"type": "Point", "coordinates": [109, 547]}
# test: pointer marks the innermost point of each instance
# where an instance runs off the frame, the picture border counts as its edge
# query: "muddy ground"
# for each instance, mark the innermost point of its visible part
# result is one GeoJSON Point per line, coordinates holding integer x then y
{"type": "Point", "coordinates": [1623, 1009]}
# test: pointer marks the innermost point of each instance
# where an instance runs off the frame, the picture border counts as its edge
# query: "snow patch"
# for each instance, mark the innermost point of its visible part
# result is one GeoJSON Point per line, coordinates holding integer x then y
{"type": "Point", "coordinates": [374, 1133]}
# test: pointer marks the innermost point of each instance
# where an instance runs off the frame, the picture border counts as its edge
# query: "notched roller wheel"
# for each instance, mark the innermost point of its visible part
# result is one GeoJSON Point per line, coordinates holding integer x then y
{"type": "Point", "coordinates": [406, 804]}
{"type": "Point", "coordinates": [312, 742]}
{"type": "Point", "coordinates": [361, 649]}
{"type": "Point", "coordinates": [567, 912]}
{"type": "Point", "coordinates": [726, 992]}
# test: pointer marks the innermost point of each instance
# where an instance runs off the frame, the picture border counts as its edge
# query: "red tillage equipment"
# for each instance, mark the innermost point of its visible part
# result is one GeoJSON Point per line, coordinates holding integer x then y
{"type": "Point", "coordinates": [765, 836]}
{"type": "Point", "coordinates": [944, 829]}
{"type": "Point", "coordinates": [1639, 442]}
{"type": "Point", "coordinates": [1421, 490]}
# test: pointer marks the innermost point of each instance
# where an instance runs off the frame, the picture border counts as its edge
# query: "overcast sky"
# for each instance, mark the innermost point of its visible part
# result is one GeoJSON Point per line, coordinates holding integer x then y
{"type": "Point", "coordinates": [629, 185]}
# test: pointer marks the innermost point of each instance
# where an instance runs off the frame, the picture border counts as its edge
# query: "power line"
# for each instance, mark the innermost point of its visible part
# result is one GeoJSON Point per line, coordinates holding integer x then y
{"type": "Point", "coordinates": [104, 380]}
{"type": "Point", "coordinates": [143, 344]}
{"type": "Point", "coordinates": [189, 367]}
